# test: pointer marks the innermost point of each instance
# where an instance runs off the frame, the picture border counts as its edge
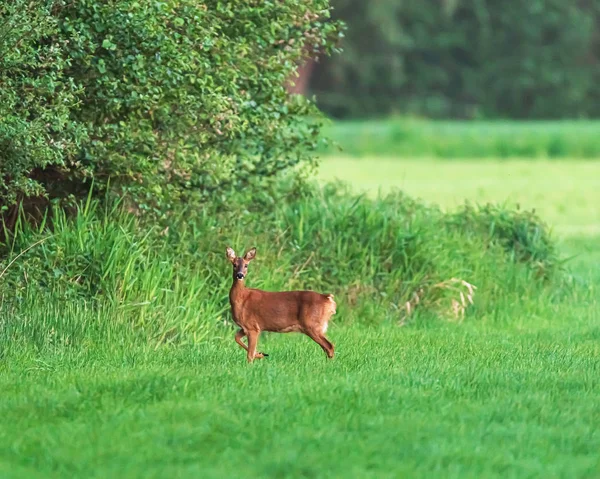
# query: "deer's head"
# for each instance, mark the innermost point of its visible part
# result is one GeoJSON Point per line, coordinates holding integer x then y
{"type": "Point", "coordinates": [240, 264]}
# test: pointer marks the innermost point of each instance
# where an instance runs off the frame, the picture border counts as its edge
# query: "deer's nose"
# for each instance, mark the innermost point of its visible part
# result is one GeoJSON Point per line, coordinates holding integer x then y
{"type": "Point", "coordinates": [240, 276]}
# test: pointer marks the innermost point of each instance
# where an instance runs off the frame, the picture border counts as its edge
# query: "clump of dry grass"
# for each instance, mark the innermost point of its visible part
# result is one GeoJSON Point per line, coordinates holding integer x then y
{"type": "Point", "coordinates": [450, 298]}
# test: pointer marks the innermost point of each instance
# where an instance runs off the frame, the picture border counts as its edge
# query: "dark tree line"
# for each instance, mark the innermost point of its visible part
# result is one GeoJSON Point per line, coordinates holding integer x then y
{"type": "Point", "coordinates": [464, 59]}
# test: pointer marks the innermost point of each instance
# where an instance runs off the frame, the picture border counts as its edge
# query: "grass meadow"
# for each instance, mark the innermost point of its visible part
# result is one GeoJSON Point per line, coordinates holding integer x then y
{"type": "Point", "coordinates": [498, 139]}
{"type": "Point", "coordinates": [565, 193]}
{"type": "Point", "coordinates": [511, 390]}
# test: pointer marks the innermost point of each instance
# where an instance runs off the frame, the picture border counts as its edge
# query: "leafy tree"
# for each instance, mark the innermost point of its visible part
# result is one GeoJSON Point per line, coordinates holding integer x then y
{"type": "Point", "coordinates": [167, 101]}
{"type": "Point", "coordinates": [36, 100]}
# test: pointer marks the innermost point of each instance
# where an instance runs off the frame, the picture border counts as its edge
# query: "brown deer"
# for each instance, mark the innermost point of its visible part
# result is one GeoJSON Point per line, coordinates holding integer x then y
{"type": "Point", "coordinates": [254, 310]}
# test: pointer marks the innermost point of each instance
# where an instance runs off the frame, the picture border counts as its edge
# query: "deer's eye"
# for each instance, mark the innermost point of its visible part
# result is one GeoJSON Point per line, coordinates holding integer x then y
{"type": "Point", "coordinates": [245, 266]}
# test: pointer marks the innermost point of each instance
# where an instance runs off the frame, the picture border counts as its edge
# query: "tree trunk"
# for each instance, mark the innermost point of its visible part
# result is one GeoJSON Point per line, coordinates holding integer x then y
{"type": "Point", "coordinates": [299, 84]}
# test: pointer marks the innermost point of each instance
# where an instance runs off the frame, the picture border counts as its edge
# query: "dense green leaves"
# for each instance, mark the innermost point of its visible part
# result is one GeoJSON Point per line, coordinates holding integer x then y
{"type": "Point", "coordinates": [36, 98]}
{"type": "Point", "coordinates": [465, 58]}
{"type": "Point", "coordinates": [169, 100]}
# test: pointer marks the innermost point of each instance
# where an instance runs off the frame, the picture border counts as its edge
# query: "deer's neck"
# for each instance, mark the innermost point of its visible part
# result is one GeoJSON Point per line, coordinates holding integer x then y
{"type": "Point", "coordinates": [238, 289]}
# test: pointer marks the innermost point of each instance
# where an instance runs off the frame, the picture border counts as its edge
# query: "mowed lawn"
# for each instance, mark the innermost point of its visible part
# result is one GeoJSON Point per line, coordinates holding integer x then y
{"type": "Point", "coordinates": [510, 397]}
{"type": "Point", "coordinates": [565, 193]}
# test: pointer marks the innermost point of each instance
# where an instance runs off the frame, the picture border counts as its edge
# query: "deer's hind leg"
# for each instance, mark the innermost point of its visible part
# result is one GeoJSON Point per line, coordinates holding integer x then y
{"type": "Point", "coordinates": [238, 339]}
{"type": "Point", "coordinates": [319, 338]}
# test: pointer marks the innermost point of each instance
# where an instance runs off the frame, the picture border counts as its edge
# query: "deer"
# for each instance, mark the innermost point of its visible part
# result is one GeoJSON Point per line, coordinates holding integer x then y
{"type": "Point", "coordinates": [255, 311]}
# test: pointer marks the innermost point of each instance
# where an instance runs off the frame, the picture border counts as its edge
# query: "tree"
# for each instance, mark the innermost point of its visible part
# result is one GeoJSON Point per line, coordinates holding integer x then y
{"type": "Point", "coordinates": [168, 101]}
{"type": "Point", "coordinates": [464, 58]}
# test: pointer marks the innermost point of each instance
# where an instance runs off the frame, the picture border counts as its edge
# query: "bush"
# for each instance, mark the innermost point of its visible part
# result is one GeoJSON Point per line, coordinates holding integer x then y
{"type": "Point", "coordinates": [520, 233]}
{"type": "Point", "coordinates": [465, 59]}
{"type": "Point", "coordinates": [384, 260]}
{"type": "Point", "coordinates": [178, 99]}
{"type": "Point", "coordinates": [37, 132]}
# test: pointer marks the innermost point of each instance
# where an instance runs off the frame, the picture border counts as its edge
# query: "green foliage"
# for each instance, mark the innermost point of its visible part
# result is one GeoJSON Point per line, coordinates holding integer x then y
{"type": "Point", "coordinates": [465, 139]}
{"type": "Point", "coordinates": [384, 259]}
{"type": "Point", "coordinates": [37, 132]}
{"type": "Point", "coordinates": [178, 99]}
{"type": "Point", "coordinates": [512, 391]}
{"type": "Point", "coordinates": [465, 59]}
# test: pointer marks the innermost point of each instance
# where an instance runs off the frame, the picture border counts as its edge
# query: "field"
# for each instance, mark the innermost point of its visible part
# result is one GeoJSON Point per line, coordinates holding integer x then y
{"type": "Point", "coordinates": [414, 138]}
{"type": "Point", "coordinates": [504, 395]}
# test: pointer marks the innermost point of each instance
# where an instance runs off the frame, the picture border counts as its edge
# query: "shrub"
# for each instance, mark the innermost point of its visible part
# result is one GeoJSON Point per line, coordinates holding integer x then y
{"type": "Point", "coordinates": [178, 99]}
{"type": "Point", "coordinates": [520, 233]}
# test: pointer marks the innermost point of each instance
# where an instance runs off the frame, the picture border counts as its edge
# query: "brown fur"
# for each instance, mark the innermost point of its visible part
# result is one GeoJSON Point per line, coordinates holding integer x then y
{"type": "Point", "coordinates": [255, 311]}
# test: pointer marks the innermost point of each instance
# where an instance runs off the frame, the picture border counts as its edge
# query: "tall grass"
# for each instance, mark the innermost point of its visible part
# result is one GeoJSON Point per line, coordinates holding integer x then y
{"type": "Point", "coordinates": [107, 273]}
{"type": "Point", "coordinates": [481, 139]}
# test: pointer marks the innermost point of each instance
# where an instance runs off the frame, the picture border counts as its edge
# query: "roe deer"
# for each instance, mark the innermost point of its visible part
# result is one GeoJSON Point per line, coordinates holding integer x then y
{"type": "Point", "coordinates": [254, 310]}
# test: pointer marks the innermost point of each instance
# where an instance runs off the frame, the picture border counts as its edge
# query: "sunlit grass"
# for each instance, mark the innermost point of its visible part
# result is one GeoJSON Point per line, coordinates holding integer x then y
{"type": "Point", "coordinates": [566, 193]}
{"type": "Point", "coordinates": [475, 140]}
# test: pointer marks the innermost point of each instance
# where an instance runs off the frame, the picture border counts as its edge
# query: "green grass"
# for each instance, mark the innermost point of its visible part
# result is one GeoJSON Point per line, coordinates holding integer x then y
{"type": "Point", "coordinates": [117, 359]}
{"type": "Point", "coordinates": [465, 139]}
{"type": "Point", "coordinates": [565, 193]}
{"type": "Point", "coordinates": [171, 283]}
{"type": "Point", "coordinates": [475, 400]}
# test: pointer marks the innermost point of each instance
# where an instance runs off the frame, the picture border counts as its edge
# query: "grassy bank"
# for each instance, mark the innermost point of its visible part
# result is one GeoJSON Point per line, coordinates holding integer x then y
{"type": "Point", "coordinates": [383, 258]}
{"type": "Point", "coordinates": [455, 139]}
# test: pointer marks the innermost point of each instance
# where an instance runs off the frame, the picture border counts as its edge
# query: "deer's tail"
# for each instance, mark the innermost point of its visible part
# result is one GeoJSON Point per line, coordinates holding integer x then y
{"type": "Point", "coordinates": [333, 304]}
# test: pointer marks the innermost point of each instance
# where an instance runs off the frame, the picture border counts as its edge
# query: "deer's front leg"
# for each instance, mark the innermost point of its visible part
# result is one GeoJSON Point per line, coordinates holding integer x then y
{"type": "Point", "coordinates": [238, 338]}
{"type": "Point", "coordinates": [252, 342]}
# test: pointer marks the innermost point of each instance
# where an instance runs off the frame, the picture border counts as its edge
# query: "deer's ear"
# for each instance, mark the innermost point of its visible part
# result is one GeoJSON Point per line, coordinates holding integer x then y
{"type": "Point", "coordinates": [250, 255]}
{"type": "Point", "coordinates": [230, 254]}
